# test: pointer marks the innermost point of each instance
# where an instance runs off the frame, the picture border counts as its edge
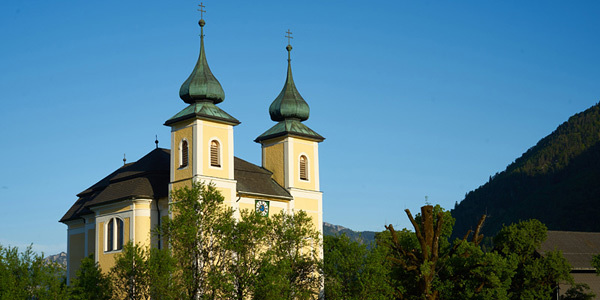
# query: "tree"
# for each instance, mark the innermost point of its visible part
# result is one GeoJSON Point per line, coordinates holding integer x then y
{"type": "Point", "coordinates": [579, 291]}
{"type": "Point", "coordinates": [354, 271]}
{"type": "Point", "coordinates": [536, 275]}
{"type": "Point", "coordinates": [197, 234]}
{"type": "Point", "coordinates": [293, 267]}
{"type": "Point", "coordinates": [426, 265]}
{"type": "Point", "coordinates": [26, 275]}
{"type": "Point", "coordinates": [161, 267]}
{"type": "Point", "coordinates": [130, 273]}
{"type": "Point", "coordinates": [248, 242]}
{"type": "Point", "coordinates": [90, 282]}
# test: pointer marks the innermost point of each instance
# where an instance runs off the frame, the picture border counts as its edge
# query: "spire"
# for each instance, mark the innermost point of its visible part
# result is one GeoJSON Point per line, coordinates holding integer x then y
{"type": "Point", "coordinates": [289, 104]}
{"type": "Point", "coordinates": [201, 86]}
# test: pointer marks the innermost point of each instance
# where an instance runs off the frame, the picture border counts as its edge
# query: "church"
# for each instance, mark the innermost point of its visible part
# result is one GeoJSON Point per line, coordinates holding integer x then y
{"type": "Point", "coordinates": [128, 203]}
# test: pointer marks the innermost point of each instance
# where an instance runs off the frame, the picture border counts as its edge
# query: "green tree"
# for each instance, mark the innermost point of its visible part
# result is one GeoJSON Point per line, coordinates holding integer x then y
{"type": "Point", "coordinates": [197, 234]}
{"type": "Point", "coordinates": [354, 271]}
{"type": "Point", "coordinates": [248, 242]}
{"type": "Point", "coordinates": [161, 267]}
{"type": "Point", "coordinates": [579, 291]}
{"type": "Point", "coordinates": [130, 275]}
{"type": "Point", "coordinates": [293, 267]}
{"type": "Point", "coordinates": [425, 265]}
{"type": "Point", "coordinates": [26, 275]}
{"type": "Point", "coordinates": [536, 275]}
{"type": "Point", "coordinates": [90, 282]}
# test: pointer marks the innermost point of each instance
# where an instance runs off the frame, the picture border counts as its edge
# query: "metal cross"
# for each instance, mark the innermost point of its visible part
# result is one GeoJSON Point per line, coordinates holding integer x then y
{"type": "Point", "coordinates": [201, 10]}
{"type": "Point", "coordinates": [288, 35]}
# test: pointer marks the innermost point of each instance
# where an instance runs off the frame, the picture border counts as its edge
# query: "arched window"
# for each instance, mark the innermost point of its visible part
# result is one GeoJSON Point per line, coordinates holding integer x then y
{"type": "Point", "coordinates": [303, 167]}
{"type": "Point", "coordinates": [114, 234]}
{"type": "Point", "coordinates": [215, 158]}
{"type": "Point", "coordinates": [183, 154]}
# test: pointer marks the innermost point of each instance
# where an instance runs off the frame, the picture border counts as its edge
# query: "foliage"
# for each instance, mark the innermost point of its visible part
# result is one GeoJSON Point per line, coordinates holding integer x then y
{"type": "Point", "coordinates": [293, 267]}
{"type": "Point", "coordinates": [354, 271]}
{"type": "Point", "coordinates": [536, 275]}
{"type": "Point", "coordinates": [579, 291]}
{"type": "Point", "coordinates": [248, 240]}
{"type": "Point", "coordinates": [197, 234]}
{"type": "Point", "coordinates": [563, 165]}
{"type": "Point", "coordinates": [596, 263]}
{"type": "Point", "coordinates": [217, 257]}
{"type": "Point", "coordinates": [425, 265]}
{"type": "Point", "coordinates": [130, 272]}
{"type": "Point", "coordinates": [161, 266]}
{"type": "Point", "coordinates": [89, 282]}
{"type": "Point", "coordinates": [25, 275]}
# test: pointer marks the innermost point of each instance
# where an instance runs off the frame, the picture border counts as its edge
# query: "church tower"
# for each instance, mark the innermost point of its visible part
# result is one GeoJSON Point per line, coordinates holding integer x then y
{"type": "Point", "coordinates": [202, 133]}
{"type": "Point", "coordinates": [291, 150]}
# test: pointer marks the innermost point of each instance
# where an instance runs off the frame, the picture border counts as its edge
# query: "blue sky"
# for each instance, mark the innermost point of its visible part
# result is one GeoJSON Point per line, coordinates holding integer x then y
{"type": "Point", "coordinates": [415, 98]}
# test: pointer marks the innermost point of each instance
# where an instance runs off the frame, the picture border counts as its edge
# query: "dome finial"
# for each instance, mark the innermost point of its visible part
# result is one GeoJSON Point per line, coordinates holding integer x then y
{"type": "Point", "coordinates": [201, 22]}
{"type": "Point", "coordinates": [289, 46]}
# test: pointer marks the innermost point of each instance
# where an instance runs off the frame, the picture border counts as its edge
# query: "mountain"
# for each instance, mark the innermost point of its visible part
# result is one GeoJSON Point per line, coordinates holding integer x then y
{"type": "Point", "coordinates": [557, 182]}
{"type": "Point", "coordinates": [365, 237]}
{"type": "Point", "coordinates": [60, 258]}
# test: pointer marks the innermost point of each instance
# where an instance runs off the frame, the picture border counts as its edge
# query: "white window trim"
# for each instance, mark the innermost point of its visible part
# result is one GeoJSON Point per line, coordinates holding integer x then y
{"type": "Point", "coordinates": [115, 235]}
{"type": "Point", "coordinates": [220, 154]}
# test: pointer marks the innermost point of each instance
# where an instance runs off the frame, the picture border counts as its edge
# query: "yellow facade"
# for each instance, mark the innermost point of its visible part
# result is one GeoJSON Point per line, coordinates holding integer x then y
{"type": "Point", "coordinates": [219, 132]}
{"type": "Point", "coordinates": [76, 251]}
{"type": "Point", "coordinates": [306, 148]}
{"type": "Point", "coordinates": [273, 160]}
{"type": "Point", "coordinates": [185, 133]}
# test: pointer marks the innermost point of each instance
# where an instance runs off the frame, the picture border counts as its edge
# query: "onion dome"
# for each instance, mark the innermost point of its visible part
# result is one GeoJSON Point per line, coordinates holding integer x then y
{"type": "Point", "coordinates": [202, 86]}
{"type": "Point", "coordinates": [289, 109]}
{"type": "Point", "coordinates": [289, 104]}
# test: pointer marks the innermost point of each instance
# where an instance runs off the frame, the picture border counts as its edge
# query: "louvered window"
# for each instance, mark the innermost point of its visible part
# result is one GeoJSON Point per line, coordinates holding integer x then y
{"type": "Point", "coordinates": [303, 168]}
{"type": "Point", "coordinates": [184, 154]}
{"type": "Point", "coordinates": [215, 159]}
{"type": "Point", "coordinates": [114, 234]}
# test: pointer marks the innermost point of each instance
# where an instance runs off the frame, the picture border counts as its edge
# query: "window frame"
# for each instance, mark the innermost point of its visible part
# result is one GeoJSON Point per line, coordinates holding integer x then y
{"type": "Point", "coordinates": [114, 238]}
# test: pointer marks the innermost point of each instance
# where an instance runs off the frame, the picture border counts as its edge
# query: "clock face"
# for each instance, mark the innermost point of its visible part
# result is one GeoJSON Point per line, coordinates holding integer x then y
{"type": "Point", "coordinates": [262, 207]}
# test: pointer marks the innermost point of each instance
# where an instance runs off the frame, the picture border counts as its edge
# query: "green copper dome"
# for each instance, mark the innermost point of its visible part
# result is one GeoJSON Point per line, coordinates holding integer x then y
{"type": "Point", "coordinates": [202, 84]}
{"type": "Point", "coordinates": [289, 109]}
{"type": "Point", "coordinates": [289, 104]}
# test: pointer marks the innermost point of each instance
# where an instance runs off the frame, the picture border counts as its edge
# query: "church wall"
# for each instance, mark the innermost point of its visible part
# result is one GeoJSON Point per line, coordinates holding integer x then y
{"type": "Point", "coordinates": [273, 160]}
{"type": "Point", "coordinates": [91, 241]}
{"type": "Point", "coordinates": [221, 133]}
{"type": "Point", "coordinates": [186, 172]}
{"type": "Point", "coordinates": [307, 148]}
{"type": "Point", "coordinates": [76, 252]}
{"type": "Point", "coordinates": [306, 204]}
{"type": "Point", "coordinates": [106, 260]}
{"type": "Point", "coordinates": [143, 229]}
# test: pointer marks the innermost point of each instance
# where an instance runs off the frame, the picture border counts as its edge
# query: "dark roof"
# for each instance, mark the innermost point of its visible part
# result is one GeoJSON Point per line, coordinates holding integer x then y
{"type": "Point", "coordinates": [149, 178]}
{"type": "Point", "coordinates": [577, 247]}
{"type": "Point", "coordinates": [256, 180]}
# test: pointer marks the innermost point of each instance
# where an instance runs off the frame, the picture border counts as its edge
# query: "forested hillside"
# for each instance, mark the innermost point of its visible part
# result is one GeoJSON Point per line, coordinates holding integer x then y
{"type": "Point", "coordinates": [557, 182]}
